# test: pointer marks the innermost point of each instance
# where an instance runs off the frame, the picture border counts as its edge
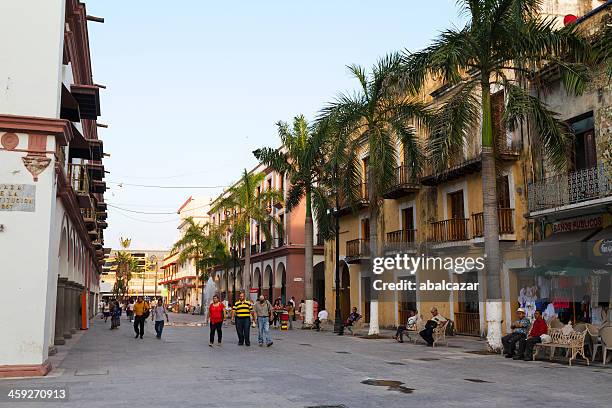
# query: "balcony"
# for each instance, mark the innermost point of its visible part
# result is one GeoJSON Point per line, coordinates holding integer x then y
{"type": "Point", "coordinates": [401, 240]}
{"type": "Point", "coordinates": [89, 217]}
{"type": "Point", "coordinates": [454, 229]}
{"type": "Point", "coordinates": [505, 218]}
{"type": "Point", "coordinates": [464, 164]}
{"type": "Point", "coordinates": [361, 200]}
{"type": "Point", "coordinates": [357, 250]}
{"type": "Point", "coordinates": [79, 181]}
{"type": "Point", "coordinates": [403, 184]}
{"type": "Point", "coordinates": [579, 189]}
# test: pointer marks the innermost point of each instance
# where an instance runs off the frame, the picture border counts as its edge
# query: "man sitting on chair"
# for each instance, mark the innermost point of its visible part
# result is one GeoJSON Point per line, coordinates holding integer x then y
{"type": "Point", "coordinates": [352, 319]}
{"type": "Point", "coordinates": [432, 323]}
{"type": "Point", "coordinates": [519, 334]}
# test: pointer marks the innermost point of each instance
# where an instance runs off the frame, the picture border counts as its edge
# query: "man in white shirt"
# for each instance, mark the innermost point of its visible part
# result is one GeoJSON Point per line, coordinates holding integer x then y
{"type": "Point", "coordinates": [159, 311]}
{"type": "Point", "coordinates": [322, 316]}
{"type": "Point", "coordinates": [435, 320]}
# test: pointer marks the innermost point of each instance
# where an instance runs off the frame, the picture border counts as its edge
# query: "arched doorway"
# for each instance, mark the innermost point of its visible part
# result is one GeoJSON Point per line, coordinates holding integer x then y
{"type": "Point", "coordinates": [318, 284]}
{"type": "Point", "coordinates": [345, 290]}
{"type": "Point", "coordinates": [269, 283]}
{"type": "Point", "coordinates": [257, 280]}
{"type": "Point", "coordinates": [281, 281]}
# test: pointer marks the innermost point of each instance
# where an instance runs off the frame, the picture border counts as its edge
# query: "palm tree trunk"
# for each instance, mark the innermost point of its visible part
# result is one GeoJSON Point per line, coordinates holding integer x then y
{"type": "Point", "coordinates": [374, 213]}
{"type": "Point", "coordinates": [247, 265]}
{"type": "Point", "coordinates": [308, 261]}
{"type": "Point", "coordinates": [491, 224]}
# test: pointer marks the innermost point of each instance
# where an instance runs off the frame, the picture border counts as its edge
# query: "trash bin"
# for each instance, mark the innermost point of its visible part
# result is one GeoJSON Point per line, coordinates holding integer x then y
{"type": "Point", "coordinates": [284, 318]}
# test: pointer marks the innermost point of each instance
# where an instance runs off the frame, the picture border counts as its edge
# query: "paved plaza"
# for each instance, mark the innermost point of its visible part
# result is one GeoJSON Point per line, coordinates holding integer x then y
{"type": "Point", "coordinates": [302, 369]}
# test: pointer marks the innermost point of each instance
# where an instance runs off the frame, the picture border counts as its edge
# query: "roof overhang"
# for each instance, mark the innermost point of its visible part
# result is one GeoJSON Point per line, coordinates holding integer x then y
{"type": "Point", "coordinates": [88, 97]}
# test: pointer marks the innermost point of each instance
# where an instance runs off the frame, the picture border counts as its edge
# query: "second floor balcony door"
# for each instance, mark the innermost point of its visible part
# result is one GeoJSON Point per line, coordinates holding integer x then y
{"type": "Point", "coordinates": [407, 224]}
{"type": "Point", "coordinates": [365, 229]}
{"type": "Point", "coordinates": [584, 150]}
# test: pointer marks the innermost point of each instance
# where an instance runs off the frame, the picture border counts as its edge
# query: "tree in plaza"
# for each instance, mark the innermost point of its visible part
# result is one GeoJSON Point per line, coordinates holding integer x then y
{"type": "Point", "coordinates": [300, 158]}
{"type": "Point", "coordinates": [503, 45]}
{"type": "Point", "coordinates": [377, 118]}
{"type": "Point", "coordinates": [192, 246]}
{"type": "Point", "coordinates": [126, 264]}
{"type": "Point", "coordinates": [248, 204]}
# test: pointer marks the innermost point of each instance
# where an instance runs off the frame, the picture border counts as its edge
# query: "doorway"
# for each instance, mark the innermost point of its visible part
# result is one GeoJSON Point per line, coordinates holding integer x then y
{"type": "Point", "coordinates": [345, 291]}
{"type": "Point", "coordinates": [467, 318]}
{"type": "Point", "coordinates": [318, 284]}
{"type": "Point", "coordinates": [366, 287]}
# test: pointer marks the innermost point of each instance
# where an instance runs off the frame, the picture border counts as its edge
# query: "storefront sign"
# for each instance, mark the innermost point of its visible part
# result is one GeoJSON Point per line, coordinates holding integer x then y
{"type": "Point", "coordinates": [17, 197]}
{"type": "Point", "coordinates": [603, 247]}
{"type": "Point", "coordinates": [577, 224]}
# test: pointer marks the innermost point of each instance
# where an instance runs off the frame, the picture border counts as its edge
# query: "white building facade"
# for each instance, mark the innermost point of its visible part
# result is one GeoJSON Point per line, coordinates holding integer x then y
{"type": "Point", "coordinates": [52, 211]}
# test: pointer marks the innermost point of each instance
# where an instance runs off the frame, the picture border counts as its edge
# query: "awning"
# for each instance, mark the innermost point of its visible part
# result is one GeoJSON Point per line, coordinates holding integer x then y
{"type": "Point", "coordinates": [88, 97]}
{"type": "Point", "coordinates": [600, 247]}
{"type": "Point", "coordinates": [562, 246]}
{"type": "Point", "coordinates": [69, 108]}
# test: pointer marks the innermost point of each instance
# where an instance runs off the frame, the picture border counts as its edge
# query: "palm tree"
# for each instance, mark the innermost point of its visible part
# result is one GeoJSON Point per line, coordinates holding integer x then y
{"type": "Point", "coordinates": [126, 264]}
{"type": "Point", "coordinates": [300, 158]}
{"type": "Point", "coordinates": [249, 204]}
{"type": "Point", "coordinates": [193, 245]}
{"type": "Point", "coordinates": [378, 117]}
{"type": "Point", "coordinates": [503, 44]}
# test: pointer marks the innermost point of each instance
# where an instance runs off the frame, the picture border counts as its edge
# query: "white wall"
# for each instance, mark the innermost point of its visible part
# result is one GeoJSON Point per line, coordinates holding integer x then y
{"type": "Point", "coordinates": [31, 57]}
{"type": "Point", "coordinates": [25, 270]}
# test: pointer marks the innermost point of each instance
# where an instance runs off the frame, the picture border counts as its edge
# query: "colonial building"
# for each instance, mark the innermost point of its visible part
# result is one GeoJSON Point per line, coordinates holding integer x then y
{"type": "Point", "coordinates": [180, 279]}
{"type": "Point", "coordinates": [145, 280]}
{"type": "Point", "coordinates": [52, 210]}
{"type": "Point", "coordinates": [441, 214]}
{"type": "Point", "coordinates": [276, 267]}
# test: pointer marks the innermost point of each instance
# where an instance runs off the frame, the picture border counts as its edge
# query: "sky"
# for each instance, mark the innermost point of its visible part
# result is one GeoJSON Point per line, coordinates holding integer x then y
{"type": "Point", "coordinates": [194, 86]}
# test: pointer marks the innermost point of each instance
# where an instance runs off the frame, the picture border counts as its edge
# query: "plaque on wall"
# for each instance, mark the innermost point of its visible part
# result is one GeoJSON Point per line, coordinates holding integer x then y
{"type": "Point", "coordinates": [17, 197]}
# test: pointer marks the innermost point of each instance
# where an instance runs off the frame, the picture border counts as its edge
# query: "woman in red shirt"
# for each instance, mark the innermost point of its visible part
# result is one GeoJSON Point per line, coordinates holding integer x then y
{"type": "Point", "coordinates": [216, 316]}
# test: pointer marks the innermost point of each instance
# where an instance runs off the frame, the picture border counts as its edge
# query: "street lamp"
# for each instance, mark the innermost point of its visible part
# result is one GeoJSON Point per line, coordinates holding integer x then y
{"type": "Point", "coordinates": [338, 324]}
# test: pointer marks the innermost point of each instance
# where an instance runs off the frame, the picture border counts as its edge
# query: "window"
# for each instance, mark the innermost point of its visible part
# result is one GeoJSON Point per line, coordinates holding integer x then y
{"type": "Point", "coordinates": [456, 204]}
{"type": "Point", "coordinates": [584, 149]}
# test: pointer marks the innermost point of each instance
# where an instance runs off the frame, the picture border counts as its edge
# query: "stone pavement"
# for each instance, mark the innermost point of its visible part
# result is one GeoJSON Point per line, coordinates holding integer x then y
{"type": "Point", "coordinates": [302, 369]}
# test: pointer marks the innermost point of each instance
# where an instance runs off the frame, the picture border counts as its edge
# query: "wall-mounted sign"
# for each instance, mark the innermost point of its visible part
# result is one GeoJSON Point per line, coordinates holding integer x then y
{"type": "Point", "coordinates": [298, 279]}
{"type": "Point", "coordinates": [17, 197]}
{"type": "Point", "coordinates": [576, 224]}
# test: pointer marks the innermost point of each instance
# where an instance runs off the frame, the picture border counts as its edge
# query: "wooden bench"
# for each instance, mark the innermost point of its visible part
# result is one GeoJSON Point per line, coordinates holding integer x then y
{"type": "Point", "coordinates": [572, 342]}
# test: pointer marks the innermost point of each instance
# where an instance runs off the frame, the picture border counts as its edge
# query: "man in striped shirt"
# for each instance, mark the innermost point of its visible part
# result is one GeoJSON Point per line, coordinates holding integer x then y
{"type": "Point", "coordinates": [242, 313]}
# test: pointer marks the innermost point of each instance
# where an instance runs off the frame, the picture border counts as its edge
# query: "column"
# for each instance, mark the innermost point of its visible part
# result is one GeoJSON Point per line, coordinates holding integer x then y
{"type": "Point", "coordinates": [59, 312]}
{"type": "Point", "coordinates": [78, 312]}
{"type": "Point", "coordinates": [73, 308]}
{"type": "Point", "coordinates": [67, 309]}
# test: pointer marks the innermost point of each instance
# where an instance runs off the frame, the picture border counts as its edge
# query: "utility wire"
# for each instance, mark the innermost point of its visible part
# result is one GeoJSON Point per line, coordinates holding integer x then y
{"type": "Point", "coordinates": [121, 184]}
{"type": "Point", "coordinates": [147, 221]}
{"type": "Point", "coordinates": [141, 212]}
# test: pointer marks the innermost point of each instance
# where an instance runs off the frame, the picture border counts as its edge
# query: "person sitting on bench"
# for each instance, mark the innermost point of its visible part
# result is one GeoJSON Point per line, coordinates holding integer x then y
{"type": "Point", "coordinates": [352, 319]}
{"type": "Point", "coordinates": [410, 322]}
{"type": "Point", "coordinates": [432, 323]}
{"type": "Point", "coordinates": [321, 317]}
{"type": "Point", "coordinates": [519, 334]}
{"type": "Point", "coordinates": [525, 348]}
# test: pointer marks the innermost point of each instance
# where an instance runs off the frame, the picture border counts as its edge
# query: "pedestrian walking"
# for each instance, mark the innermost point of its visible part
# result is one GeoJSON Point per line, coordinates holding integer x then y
{"type": "Point", "coordinates": [141, 312]}
{"type": "Point", "coordinates": [302, 309]}
{"type": "Point", "coordinates": [115, 312]}
{"type": "Point", "coordinates": [159, 311]}
{"type": "Point", "coordinates": [263, 311]}
{"type": "Point", "coordinates": [106, 311]}
{"type": "Point", "coordinates": [242, 313]}
{"type": "Point", "coordinates": [293, 308]}
{"type": "Point", "coordinates": [216, 316]}
{"type": "Point", "coordinates": [130, 310]}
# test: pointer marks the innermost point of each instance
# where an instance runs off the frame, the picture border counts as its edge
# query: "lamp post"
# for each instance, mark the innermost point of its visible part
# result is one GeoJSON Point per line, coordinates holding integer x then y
{"type": "Point", "coordinates": [338, 324]}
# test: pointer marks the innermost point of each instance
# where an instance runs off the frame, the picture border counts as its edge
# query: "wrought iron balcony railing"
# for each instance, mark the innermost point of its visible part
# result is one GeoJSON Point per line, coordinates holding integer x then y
{"type": "Point", "coordinates": [566, 189]}
{"type": "Point", "coordinates": [401, 240]}
{"type": "Point", "coordinates": [505, 217]}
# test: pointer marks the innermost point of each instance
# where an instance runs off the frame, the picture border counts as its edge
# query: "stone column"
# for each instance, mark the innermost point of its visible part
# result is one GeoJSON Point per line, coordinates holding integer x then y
{"type": "Point", "coordinates": [60, 318]}
{"type": "Point", "coordinates": [78, 312]}
{"type": "Point", "coordinates": [67, 309]}
{"type": "Point", "coordinates": [73, 311]}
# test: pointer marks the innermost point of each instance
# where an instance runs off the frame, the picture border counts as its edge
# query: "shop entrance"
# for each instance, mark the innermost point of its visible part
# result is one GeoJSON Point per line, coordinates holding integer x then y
{"type": "Point", "coordinates": [467, 318]}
